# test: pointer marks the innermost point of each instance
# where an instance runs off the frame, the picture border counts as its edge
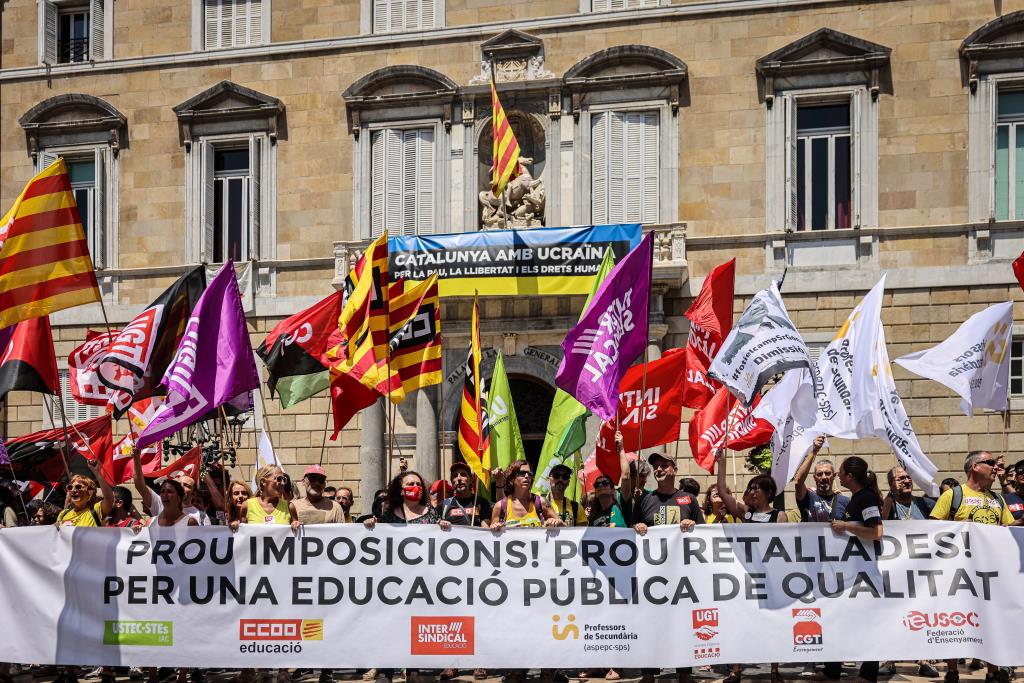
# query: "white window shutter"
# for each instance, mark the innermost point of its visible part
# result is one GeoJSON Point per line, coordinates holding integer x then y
{"type": "Point", "coordinates": [617, 151]}
{"type": "Point", "coordinates": [600, 5]}
{"type": "Point", "coordinates": [792, 206]}
{"type": "Point", "coordinates": [255, 197]}
{"type": "Point", "coordinates": [206, 159]}
{"type": "Point", "coordinates": [599, 168]}
{"type": "Point", "coordinates": [633, 163]}
{"type": "Point", "coordinates": [428, 12]}
{"type": "Point", "coordinates": [98, 243]}
{"type": "Point", "coordinates": [425, 183]}
{"type": "Point", "coordinates": [380, 15]}
{"type": "Point", "coordinates": [378, 180]}
{"type": "Point", "coordinates": [410, 149]}
{"type": "Point", "coordinates": [650, 168]}
{"type": "Point", "coordinates": [393, 181]}
{"type": "Point", "coordinates": [255, 22]}
{"type": "Point", "coordinates": [48, 17]}
{"type": "Point", "coordinates": [97, 36]}
{"type": "Point", "coordinates": [856, 105]}
{"type": "Point", "coordinates": [211, 24]}
{"type": "Point", "coordinates": [44, 159]}
{"type": "Point", "coordinates": [617, 4]}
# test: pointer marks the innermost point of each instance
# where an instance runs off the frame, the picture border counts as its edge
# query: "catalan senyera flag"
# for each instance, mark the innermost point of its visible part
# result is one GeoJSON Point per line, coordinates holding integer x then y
{"type": "Point", "coordinates": [506, 147]}
{"type": "Point", "coordinates": [44, 257]}
{"type": "Point", "coordinates": [363, 351]}
{"type": "Point", "coordinates": [474, 425]}
{"type": "Point", "coordinates": [415, 338]}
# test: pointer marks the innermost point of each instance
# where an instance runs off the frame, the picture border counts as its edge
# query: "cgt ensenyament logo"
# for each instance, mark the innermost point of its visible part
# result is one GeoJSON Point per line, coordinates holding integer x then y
{"type": "Point", "coordinates": [442, 635]}
{"type": "Point", "coordinates": [807, 627]}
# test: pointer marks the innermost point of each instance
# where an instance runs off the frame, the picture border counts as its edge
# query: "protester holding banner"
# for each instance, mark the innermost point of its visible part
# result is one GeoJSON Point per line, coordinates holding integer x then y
{"type": "Point", "coordinates": [665, 504]}
{"type": "Point", "coordinates": [172, 495]}
{"type": "Point", "coordinates": [41, 513]}
{"type": "Point", "coordinates": [121, 515]}
{"type": "Point", "coordinates": [269, 505]}
{"type": "Point", "coordinates": [407, 502]}
{"type": "Point", "coordinates": [315, 508]}
{"type": "Point", "coordinates": [521, 509]}
{"type": "Point", "coordinates": [464, 507]}
{"type": "Point", "coordinates": [823, 504]}
{"type": "Point", "coordinates": [82, 512]}
{"type": "Point", "coordinates": [239, 494]}
{"type": "Point", "coordinates": [152, 502]}
{"type": "Point", "coordinates": [569, 511]}
{"type": "Point", "coordinates": [862, 518]}
{"type": "Point", "coordinates": [901, 503]}
{"type": "Point", "coordinates": [609, 508]}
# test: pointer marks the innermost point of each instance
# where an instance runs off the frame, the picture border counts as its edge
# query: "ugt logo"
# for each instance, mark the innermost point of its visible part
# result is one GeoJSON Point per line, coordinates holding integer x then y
{"type": "Point", "coordinates": [807, 626]}
{"type": "Point", "coordinates": [570, 630]}
{"type": "Point", "coordinates": [705, 623]}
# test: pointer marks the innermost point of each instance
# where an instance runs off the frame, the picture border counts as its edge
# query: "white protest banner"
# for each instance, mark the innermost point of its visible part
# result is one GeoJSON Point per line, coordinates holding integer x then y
{"type": "Point", "coordinates": [763, 343]}
{"type": "Point", "coordinates": [342, 596]}
{"type": "Point", "coordinates": [974, 362]}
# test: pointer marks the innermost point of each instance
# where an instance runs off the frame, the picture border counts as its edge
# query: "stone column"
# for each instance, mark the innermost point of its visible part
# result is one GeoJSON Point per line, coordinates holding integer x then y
{"type": "Point", "coordinates": [427, 452]}
{"type": "Point", "coordinates": [655, 337]}
{"type": "Point", "coordinates": [373, 457]}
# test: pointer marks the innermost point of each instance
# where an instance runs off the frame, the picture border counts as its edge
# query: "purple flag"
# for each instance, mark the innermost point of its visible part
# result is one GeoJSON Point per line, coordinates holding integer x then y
{"type": "Point", "coordinates": [610, 335]}
{"type": "Point", "coordinates": [4, 458]}
{"type": "Point", "coordinates": [214, 363]}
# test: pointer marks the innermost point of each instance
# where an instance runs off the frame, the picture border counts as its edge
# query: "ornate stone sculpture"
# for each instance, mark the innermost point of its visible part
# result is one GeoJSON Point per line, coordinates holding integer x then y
{"type": "Point", "coordinates": [524, 202]}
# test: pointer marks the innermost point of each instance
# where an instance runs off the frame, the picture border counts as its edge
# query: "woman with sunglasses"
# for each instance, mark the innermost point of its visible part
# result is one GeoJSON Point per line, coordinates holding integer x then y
{"type": "Point", "coordinates": [408, 502]}
{"type": "Point", "coordinates": [608, 509]}
{"type": "Point", "coordinates": [756, 508]}
{"type": "Point", "coordinates": [269, 506]}
{"type": "Point", "coordinates": [80, 510]}
{"type": "Point", "coordinates": [521, 509]}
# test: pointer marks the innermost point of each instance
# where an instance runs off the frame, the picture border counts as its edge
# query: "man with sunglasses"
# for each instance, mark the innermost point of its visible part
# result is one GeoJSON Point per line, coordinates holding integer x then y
{"type": "Point", "coordinates": [901, 503]}
{"type": "Point", "coordinates": [464, 507]}
{"type": "Point", "coordinates": [569, 511]}
{"type": "Point", "coordinates": [666, 504]}
{"type": "Point", "coordinates": [316, 508]}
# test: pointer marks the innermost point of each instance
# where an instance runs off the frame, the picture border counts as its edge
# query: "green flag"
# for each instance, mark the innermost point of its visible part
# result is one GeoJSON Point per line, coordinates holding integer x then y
{"type": "Point", "coordinates": [567, 423]}
{"type": "Point", "coordinates": [506, 442]}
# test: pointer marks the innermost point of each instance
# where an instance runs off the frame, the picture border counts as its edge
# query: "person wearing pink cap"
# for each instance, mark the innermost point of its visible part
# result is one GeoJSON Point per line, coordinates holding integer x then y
{"type": "Point", "coordinates": [316, 508]}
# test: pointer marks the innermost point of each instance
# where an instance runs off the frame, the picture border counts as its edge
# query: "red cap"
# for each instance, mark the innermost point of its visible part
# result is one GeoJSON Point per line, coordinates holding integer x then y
{"type": "Point", "coordinates": [315, 469]}
{"type": "Point", "coordinates": [442, 487]}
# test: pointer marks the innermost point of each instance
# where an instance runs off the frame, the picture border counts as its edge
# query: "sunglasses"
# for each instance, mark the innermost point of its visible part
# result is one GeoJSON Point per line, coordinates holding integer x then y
{"type": "Point", "coordinates": [990, 463]}
{"type": "Point", "coordinates": [78, 487]}
{"type": "Point", "coordinates": [524, 473]}
{"type": "Point", "coordinates": [316, 479]}
{"type": "Point", "coordinates": [280, 480]}
{"type": "Point", "coordinates": [602, 483]}
{"type": "Point", "coordinates": [560, 477]}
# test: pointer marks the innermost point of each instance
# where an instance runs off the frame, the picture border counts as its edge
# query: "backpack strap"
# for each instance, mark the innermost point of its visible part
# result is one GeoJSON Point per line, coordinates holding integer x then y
{"type": "Point", "coordinates": [502, 509]}
{"type": "Point", "coordinates": [575, 506]}
{"type": "Point", "coordinates": [538, 505]}
{"type": "Point", "coordinates": [445, 507]}
{"type": "Point", "coordinates": [958, 499]}
{"type": "Point", "coordinates": [95, 516]}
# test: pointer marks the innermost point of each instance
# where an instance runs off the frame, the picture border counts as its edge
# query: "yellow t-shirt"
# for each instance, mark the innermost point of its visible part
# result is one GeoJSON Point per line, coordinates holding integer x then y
{"type": "Point", "coordinates": [532, 518]}
{"type": "Point", "coordinates": [255, 514]}
{"type": "Point", "coordinates": [724, 519]}
{"type": "Point", "coordinates": [581, 515]}
{"type": "Point", "coordinates": [977, 506]}
{"type": "Point", "coordinates": [84, 517]}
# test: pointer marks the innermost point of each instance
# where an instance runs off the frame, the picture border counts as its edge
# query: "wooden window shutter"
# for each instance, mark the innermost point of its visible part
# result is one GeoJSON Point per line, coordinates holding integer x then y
{"type": "Point", "coordinates": [206, 155]}
{"type": "Point", "coordinates": [617, 200]}
{"type": "Point", "coordinates": [255, 197]}
{"type": "Point", "coordinates": [650, 167]}
{"type": "Point", "coordinates": [377, 182]}
{"type": "Point", "coordinates": [97, 37]}
{"type": "Point", "coordinates": [425, 182]}
{"type": "Point", "coordinates": [599, 168]}
{"type": "Point", "coordinates": [49, 19]}
{"type": "Point", "coordinates": [98, 245]}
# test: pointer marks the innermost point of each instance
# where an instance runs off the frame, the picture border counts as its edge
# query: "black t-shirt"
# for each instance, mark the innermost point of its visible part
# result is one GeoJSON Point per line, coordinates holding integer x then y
{"type": "Point", "coordinates": [814, 508]}
{"type": "Point", "coordinates": [654, 508]}
{"type": "Point", "coordinates": [864, 506]}
{"type": "Point", "coordinates": [1015, 504]}
{"type": "Point", "coordinates": [460, 510]}
{"type": "Point", "coordinates": [770, 517]}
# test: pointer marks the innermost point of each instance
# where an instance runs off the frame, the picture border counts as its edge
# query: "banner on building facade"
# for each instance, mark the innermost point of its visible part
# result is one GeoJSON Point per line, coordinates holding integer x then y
{"type": "Point", "coordinates": [511, 262]}
{"type": "Point", "coordinates": [266, 597]}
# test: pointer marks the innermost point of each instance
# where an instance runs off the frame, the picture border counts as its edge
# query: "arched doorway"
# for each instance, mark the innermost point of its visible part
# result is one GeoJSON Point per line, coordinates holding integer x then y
{"type": "Point", "coordinates": [532, 399]}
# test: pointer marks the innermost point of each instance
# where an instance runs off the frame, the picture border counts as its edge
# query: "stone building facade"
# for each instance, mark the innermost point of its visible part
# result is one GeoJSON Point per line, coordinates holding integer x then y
{"type": "Point", "coordinates": [832, 139]}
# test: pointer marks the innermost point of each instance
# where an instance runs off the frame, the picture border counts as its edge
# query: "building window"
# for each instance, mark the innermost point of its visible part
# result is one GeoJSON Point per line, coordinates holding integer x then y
{"type": "Point", "coordinates": [402, 181]}
{"type": "Point", "coordinates": [233, 200]}
{"type": "Point", "coordinates": [1010, 155]}
{"type": "Point", "coordinates": [231, 184]}
{"type": "Point", "coordinates": [73, 410]}
{"type": "Point", "coordinates": [625, 167]}
{"type": "Point", "coordinates": [823, 166]}
{"type": "Point", "coordinates": [614, 5]}
{"type": "Point", "coordinates": [1017, 366]}
{"type": "Point", "coordinates": [232, 23]}
{"type": "Point", "coordinates": [93, 190]}
{"type": "Point", "coordinates": [73, 33]}
{"type": "Point", "coordinates": [403, 15]}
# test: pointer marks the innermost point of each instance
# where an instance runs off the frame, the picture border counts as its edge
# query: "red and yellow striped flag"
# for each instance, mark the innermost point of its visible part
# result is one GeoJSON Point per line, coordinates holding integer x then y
{"type": "Point", "coordinates": [506, 147]}
{"type": "Point", "coordinates": [415, 338]}
{"type": "Point", "coordinates": [363, 351]}
{"type": "Point", "coordinates": [474, 425]}
{"type": "Point", "coordinates": [44, 257]}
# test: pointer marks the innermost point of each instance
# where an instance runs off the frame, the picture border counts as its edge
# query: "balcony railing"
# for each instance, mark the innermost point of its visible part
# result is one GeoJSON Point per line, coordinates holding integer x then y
{"type": "Point", "coordinates": [73, 50]}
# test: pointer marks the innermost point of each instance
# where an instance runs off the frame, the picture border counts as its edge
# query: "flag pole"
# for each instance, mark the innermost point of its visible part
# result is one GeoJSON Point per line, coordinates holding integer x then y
{"type": "Point", "coordinates": [440, 401]}
{"type": "Point", "coordinates": [323, 444]}
{"type": "Point", "coordinates": [14, 477]}
{"type": "Point", "coordinates": [67, 439]}
{"type": "Point", "coordinates": [647, 345]}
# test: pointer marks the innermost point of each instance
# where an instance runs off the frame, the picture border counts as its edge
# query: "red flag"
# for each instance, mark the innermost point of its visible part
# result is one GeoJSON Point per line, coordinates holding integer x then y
{"type": "Point", "coordinates": [710, 314]}
{"type": "Point", "coordinates": [83, 369]}
{"type": "Point", "coordinates": [589, 474]}
{"type": "Point", "coordinates": [37, 456]}
{"type": "Point", "coordinates": [707, 428]}
{"type": "Point", "coordinates": [1018, 269]}
{"type": "Point", "coordinates": [698, 388]}
{"type": "Point", "coordinates": [118, 468]}
{"type": "Point", "coordinates": [348, 397]}
{"type": "Point", "coordinates": [187, 465]}
{"type": "Point", "coordinates": [28, 362]}
{"type": "Point", "coordinates": [659, 402]}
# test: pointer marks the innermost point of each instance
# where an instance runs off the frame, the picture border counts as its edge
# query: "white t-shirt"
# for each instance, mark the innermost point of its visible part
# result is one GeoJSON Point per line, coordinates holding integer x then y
{"type": "Point", "coordinates": [156, 506]}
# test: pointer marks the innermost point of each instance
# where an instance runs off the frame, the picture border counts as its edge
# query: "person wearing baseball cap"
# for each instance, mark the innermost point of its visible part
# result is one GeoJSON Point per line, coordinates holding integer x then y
{"type": "Point", "coordinates": [316, 508]}
{"type": "Point", "coordinates": [464, 507]}
{"type": "Point", "coordinates": [569, 511]}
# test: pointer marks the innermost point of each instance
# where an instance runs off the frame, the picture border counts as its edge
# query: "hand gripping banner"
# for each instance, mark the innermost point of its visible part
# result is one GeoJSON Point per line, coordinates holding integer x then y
{"type": "Point", "coordinates": [266, 597]}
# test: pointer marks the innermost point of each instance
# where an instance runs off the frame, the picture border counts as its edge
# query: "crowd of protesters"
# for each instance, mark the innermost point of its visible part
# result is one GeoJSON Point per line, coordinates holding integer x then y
{"type": "Point", "coordinates": [629, 502]}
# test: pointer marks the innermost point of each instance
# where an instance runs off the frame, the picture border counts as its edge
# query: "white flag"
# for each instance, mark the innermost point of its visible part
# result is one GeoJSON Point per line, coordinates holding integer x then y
{"type": "Point", "coordinates": [763, 343]}
{"type": "Point", "coordinates": [845, 389]}
{"type": "Point", "coordinates": [974, 362]}
{"type": "Point", "coordinates": [264, 456]}
{"type": "Point", "coordinates": [784, 406]}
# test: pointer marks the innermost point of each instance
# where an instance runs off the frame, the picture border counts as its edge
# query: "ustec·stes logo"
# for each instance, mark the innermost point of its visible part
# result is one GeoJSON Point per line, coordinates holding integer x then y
{"type": "Point", "coordinates": [807, 626]}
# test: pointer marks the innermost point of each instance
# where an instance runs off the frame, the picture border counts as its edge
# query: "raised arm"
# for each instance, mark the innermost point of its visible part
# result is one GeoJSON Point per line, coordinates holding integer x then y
{"type": "Point", "coordinates": [626, 484]}
{"type": "Point", "coordinates": [145, 493]}
{"type": "Point", "coordinates": [215, 495]}
{"type": "Point", "coordinates": [805, 468]}
{"type": "Point", "coordinates": [732, 506]}
{"type": "Point", "coordinates": [107, 504]}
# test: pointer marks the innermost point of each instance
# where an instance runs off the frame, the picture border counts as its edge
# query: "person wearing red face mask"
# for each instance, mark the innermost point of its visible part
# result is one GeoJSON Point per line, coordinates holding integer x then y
{"type": "Point", "coordinates": [408, 502]}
